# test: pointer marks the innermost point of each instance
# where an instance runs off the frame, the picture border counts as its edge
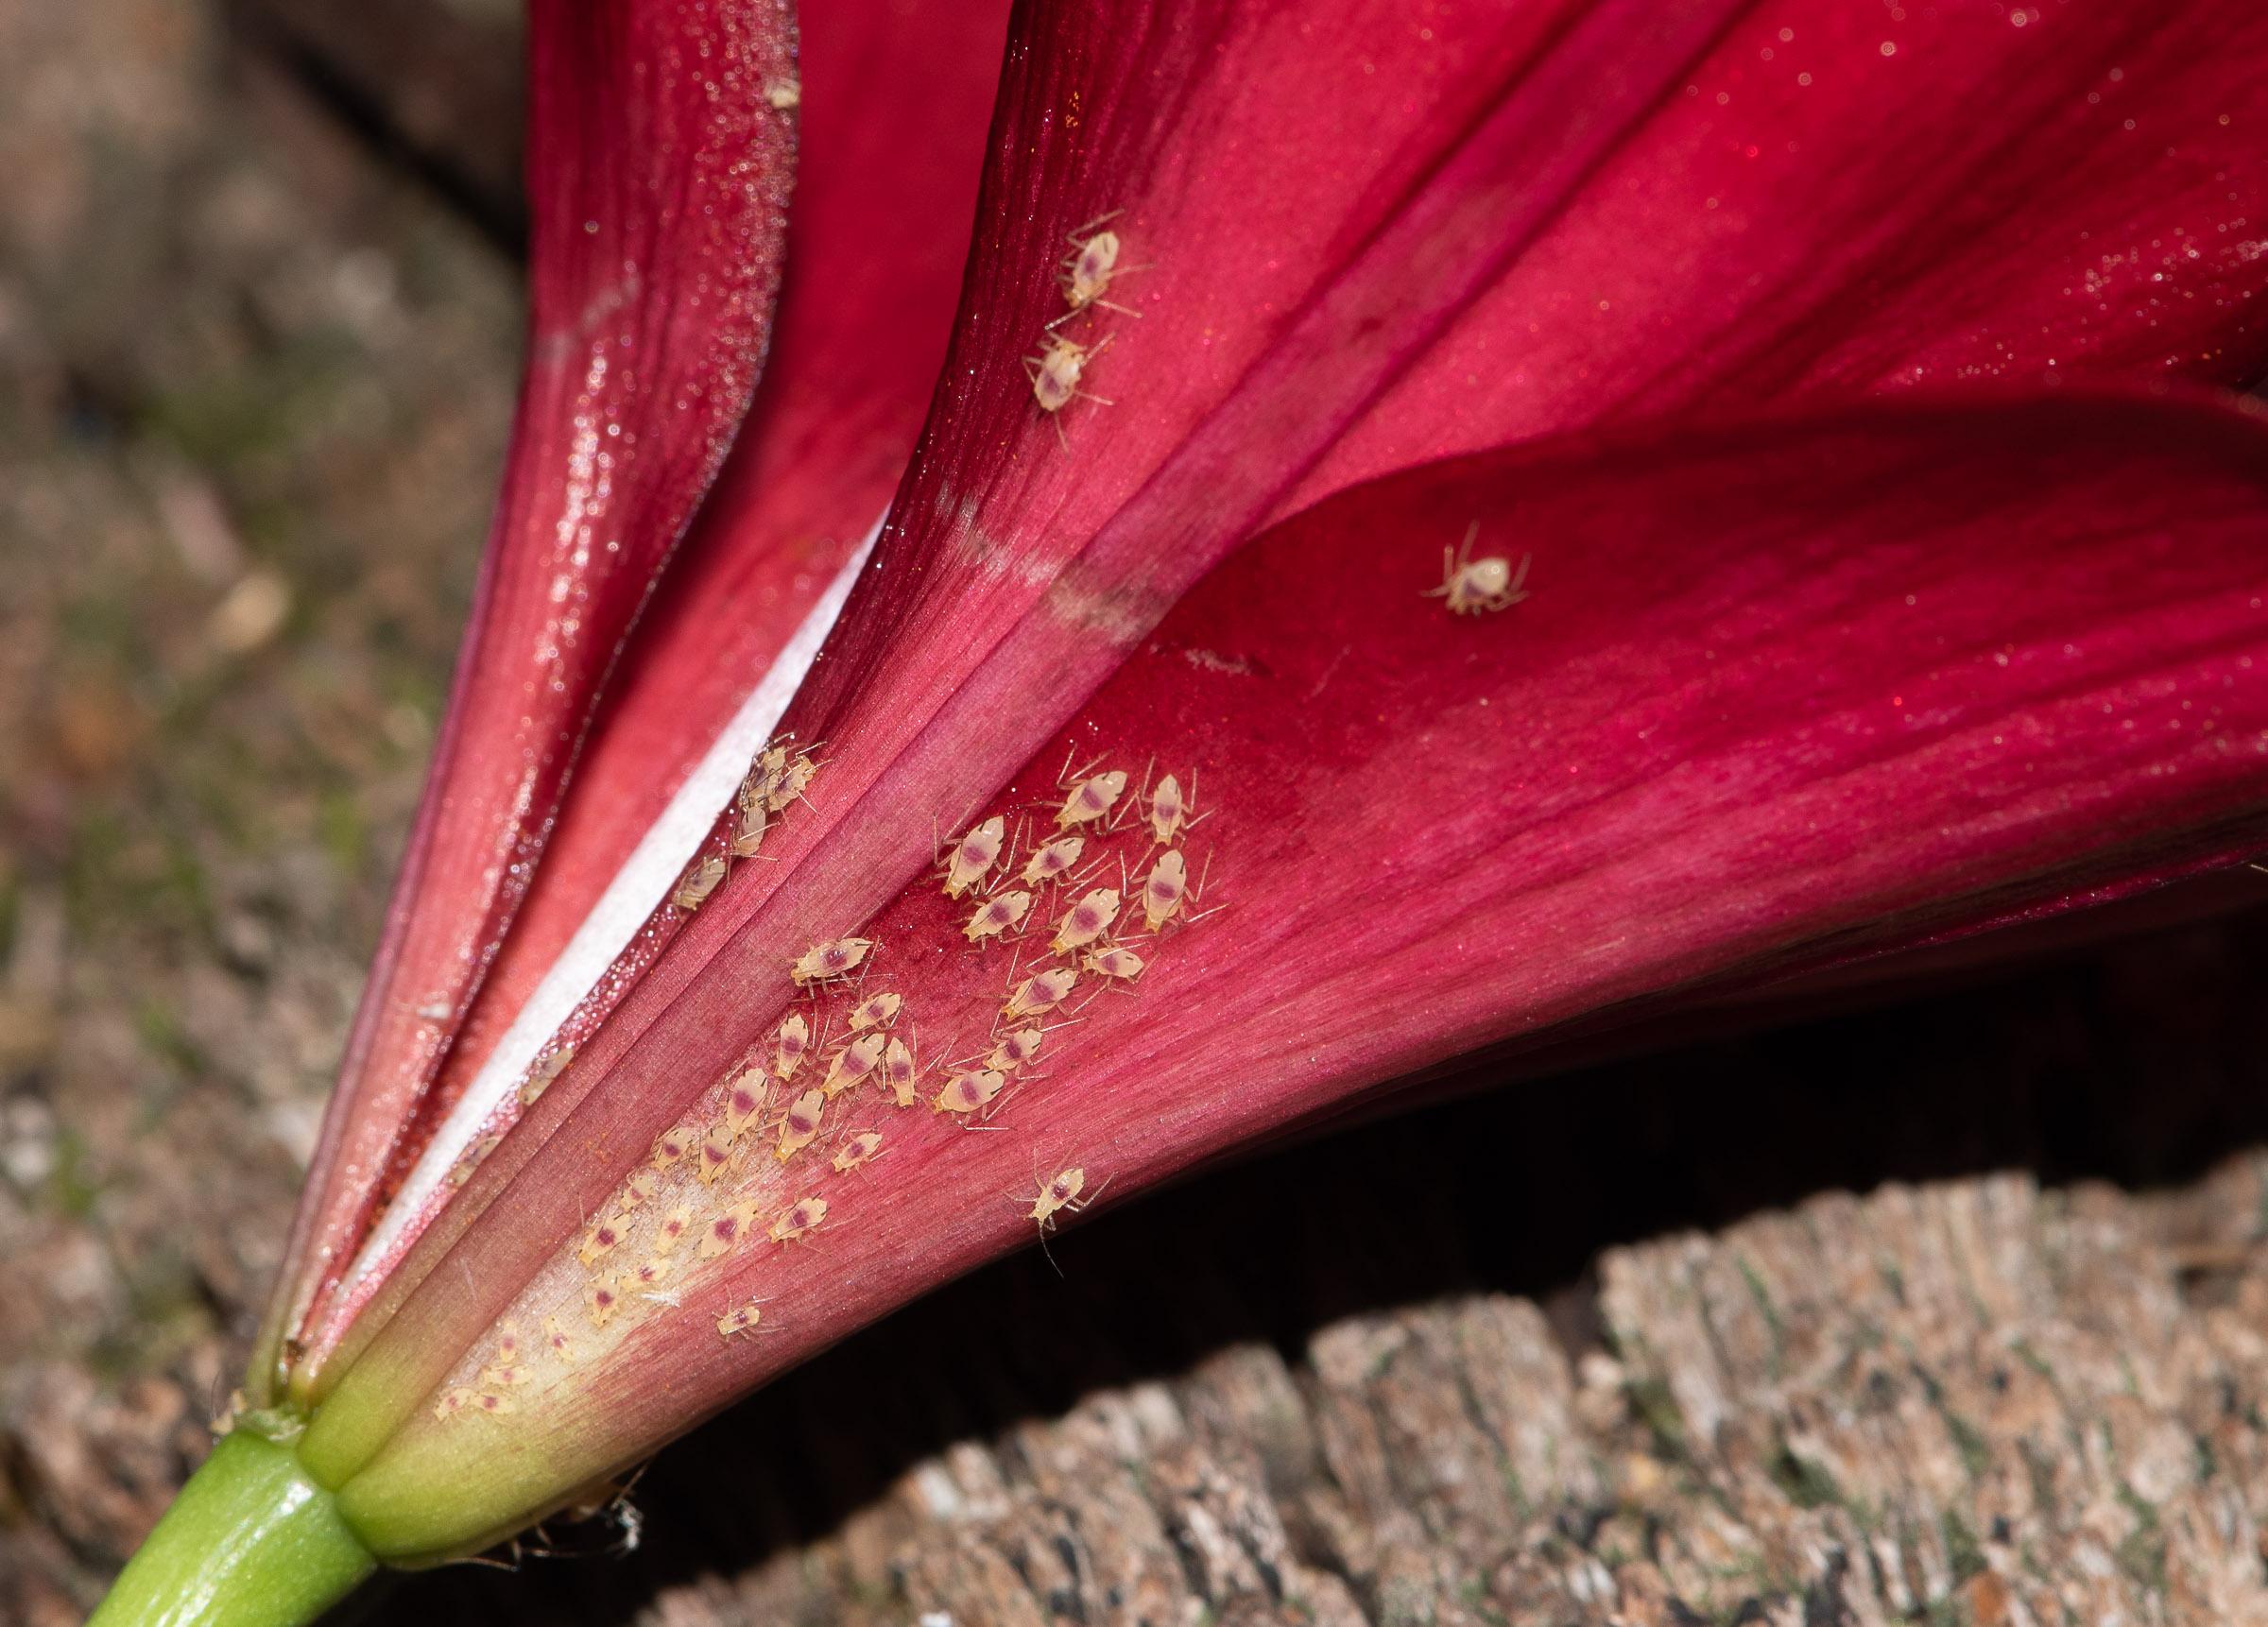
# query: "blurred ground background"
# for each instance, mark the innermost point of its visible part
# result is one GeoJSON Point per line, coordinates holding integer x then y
{"type": "Point", "coordinates": [258, 329]}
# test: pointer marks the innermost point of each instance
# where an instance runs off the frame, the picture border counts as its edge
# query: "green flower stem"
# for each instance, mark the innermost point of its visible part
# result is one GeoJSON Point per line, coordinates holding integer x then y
{"type": "Point", "coordinates": [252, 1541]}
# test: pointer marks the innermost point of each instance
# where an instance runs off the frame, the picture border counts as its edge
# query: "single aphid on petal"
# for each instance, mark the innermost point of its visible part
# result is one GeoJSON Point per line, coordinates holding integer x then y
{"type": "Point", "coordinates": [1449, 803]}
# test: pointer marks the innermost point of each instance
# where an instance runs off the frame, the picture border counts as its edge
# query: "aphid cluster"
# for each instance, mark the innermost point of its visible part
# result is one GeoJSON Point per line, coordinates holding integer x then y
{"type": "Point", "coordinates": [1085, 275]}
{"type": "Point", "coordinates": [777, 778]}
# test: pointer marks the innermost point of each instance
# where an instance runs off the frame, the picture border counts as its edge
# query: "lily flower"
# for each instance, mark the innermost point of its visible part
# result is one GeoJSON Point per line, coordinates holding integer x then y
{"type": "Point", "coordinates": [1423, 532]}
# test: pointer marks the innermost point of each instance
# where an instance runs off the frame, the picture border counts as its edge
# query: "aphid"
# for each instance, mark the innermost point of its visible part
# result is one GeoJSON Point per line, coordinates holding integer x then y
{"type": "Point", "coordinates": [502, 1376]}
{"type": "Point", "coordinates": [741, 1319]}
{"type": "Point", "coordinates": [748, 829]}
{"type": "Point", "coordinates": [968, 1091]}
{"type": "Point", "coordinates": [862, 1148]}
{"type": "Point", "coordinates": [672, 1231]}
{"type": "Point", "coordinates": [801, 1123]}
{"type": "Point", "coordinates": [1091, 798]}
{"type": "Point", "coordinates": [829, 962]}
{"type": "Point", "coordinates": [1086, 921]}
{"type": "Point", "coordinates": [700, 880]}
{"type": "Point", "coordinates": [602, 1299]}
{"type": "Point", "coordinates": [803, 1217]}
{"type": "Point", "coordinates": [715, 1155]}
{"type": "Point", "coordinates": [996, 915]}
{"type": "Point", "coordinates": [671, 1146]}
{"type": "Point", "coordinates": [1472, 586]}
{"type": "Point", "coordinates": [654, 1273]}
{"type": "Point", "coordinates": [1053, 860]}
{"type": "Point", "coordinates": [640, 1187]}
{"type": "Point", "coordinates": [1089, 268]}
{"type": "Point", "coordinates": [764, 776]}
{"type": "Point", "coordinates": [489, 1401]}
{"type": "Point", "coordinates": [788, 784]}
{"type": "Point", "coordinates": [1169, 811]}
{"type": "Point", "coordinates": [1114, 961]}
{"type": "Point", "coordinates": [555, 1340]}
{"type": "Point", "coordinates": [1042, 991]}
{"type": "Point", "coordinates": [601, 1240]}
{"type": "Point", "coordinates": [849, 1067]}
{"type": "Point", "coordinates": [789, 1047]}
{"type": "Point", "coordinates": [1016, 1049]}
{"type": "Point", "coordinates": [1058, 1194]}
{"type": "Point", "coordinates": [973, 855]}
{"type": "Point", "coordinates": [461, 1172]}
{"type": "Point", "coordinates": [728, 1228]}
{"type": "Point", "coordinates": [509, 1347]}
{"type": "Point", "coordinates": [1057, 369]}
{"type": "Point", "coordinates": [548, 1069]}
{"type": "Point", "coordinates": [451, 1402]}
{"type": "Point", "coordinates": [899, 1072]}
{"type": "Point", "coordinates": [876, 1011]}
{"type": "Point", "coordinates": [743, 1101]}
{"type": "Point", "coordinates": [1167, 885]}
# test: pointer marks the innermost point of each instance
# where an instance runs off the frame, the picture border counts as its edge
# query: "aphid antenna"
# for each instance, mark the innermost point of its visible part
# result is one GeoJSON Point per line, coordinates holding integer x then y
{"type": "Point", "coordinates": [1077, 234]}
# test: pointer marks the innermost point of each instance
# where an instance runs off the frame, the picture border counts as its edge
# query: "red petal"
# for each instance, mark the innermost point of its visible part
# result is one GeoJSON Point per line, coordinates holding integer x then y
{"type": "Point", "coordinates": [1308, 324]}
{"type": "Point", "coordinates": [659, 176]}
{"type": "Point", "coordinates": [1779, 691]}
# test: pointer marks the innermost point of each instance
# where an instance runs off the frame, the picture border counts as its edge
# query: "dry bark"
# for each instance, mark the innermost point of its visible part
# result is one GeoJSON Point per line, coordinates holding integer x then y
{"type": "Point", "coordinates": [1966, 1402]}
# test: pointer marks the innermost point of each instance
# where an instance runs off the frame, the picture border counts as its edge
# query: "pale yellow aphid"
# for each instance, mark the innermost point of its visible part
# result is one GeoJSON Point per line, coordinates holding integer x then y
{"type": "Point", "coordinates": [1058, 1194]}
{"type": "Point", "coordinates": [801, 1123]}
{"type": "Point", "coordinates": [652, 1274]}
{"type": "Point", "coordinates": [510, 1349]}
{"type": "Point", "coordinates": [1114, 961]}
{"type": "Point", "coordinates": [743, 1101]}
{"type": "Point", "coordinates": [601, 1300]}
{"type": "Point", "coordinates": [740, 1319]}
{"type": "Point", "coordinates": [968, 1091]}
{"type": "Point", "coordinates": [1163, 892]}
{"type": "Point", "coordinates": [1016, 1049]}
{"type": "Point", "coordinates": [1472, 585]}
{"type": "Point", "coordinates": [1053, 860]}
{"type": "Point", "coordinates": [789, 1047]}
{"type": "Point", "coordinates": [714, 1155]}
{"type": "Point", "coordinates": [700, 880]}
{"type": "Point", "coordinates": [764, 776]}
{"type": "Point", "coordinates": [803, 1217]}
{"type": "Point", "coordinates": [548, 1069]}
{"type": "Point", "coordinates": [973, 855]}
{"type": "Point", "coordinates": [451, 1402]}
{"type": "Point", "coordinates": [503, 1375]}
{"type": "Point", "coordinates": [829, 961]}
{"type": "Point", "coordinates": [1042, 991]}
{"type": "Point", "coordinates": [1090, 268]}
{"type": "Point", "coordinates": [555, 1340]}
{"type": "Point", "coordinates": [728, 1228]}
{"type": "Point", "coordinates": [876, 1011]}
{"type": "Point", "coordinates": [671, 1146]}
{"type": "Point", "coordinates": [996, 915]}
{"type": "Point", "coordinates": [862, 1148]}
{"type": "Point", "coordinates": [789, 784]}
{"type": "Point", "coordinates": [848, 1068]}
{"type": "Point", "coordinates": [1057, 369]}
{"type": "Point", "coordinates": [601, 1240]}
{"type": "Point", "coordinates": [489, 1401]}
{"type": "Point", "coordinates": [461, 1172]}
{"type": "Point", "coordinates": [1086, 921]}
{"type": "Point", "coordinates": [899, 1072]}
{"type": "Point", "coordinates": [672, 1231]}
{"type": "Point", "coordinates": [1169, 811]}
{"type": "Point", "coordinates": [640, 1187]}
{"type": "Point", "coordinates": [748, 829]}
{"type": "Point", "coordinates": [1091, 798]}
